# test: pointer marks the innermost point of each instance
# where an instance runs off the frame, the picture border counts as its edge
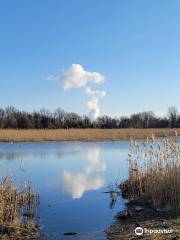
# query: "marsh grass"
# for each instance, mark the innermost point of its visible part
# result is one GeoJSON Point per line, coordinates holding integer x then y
{"type": "Point", "coordinates": [35, 135]}
{"type": "Point", "coordinates": [17, 211]}
{"type": "Point", "coordinates": [154, 173]}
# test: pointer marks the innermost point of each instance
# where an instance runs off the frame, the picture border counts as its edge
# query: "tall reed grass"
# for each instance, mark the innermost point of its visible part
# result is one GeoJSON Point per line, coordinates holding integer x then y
{"type": "Point", "coordinates": [35, 135]}
{"type": "Point", "coordinates": [154, 172]}
{"type": "Point", "coordinates": [17, 211]}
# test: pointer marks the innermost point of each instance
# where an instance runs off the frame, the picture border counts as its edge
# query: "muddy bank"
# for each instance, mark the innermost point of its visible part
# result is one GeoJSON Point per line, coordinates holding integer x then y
{"type": "Point", "coordinates": [159, 224]}
{"type": "Point", "coordinates": [153, 193]}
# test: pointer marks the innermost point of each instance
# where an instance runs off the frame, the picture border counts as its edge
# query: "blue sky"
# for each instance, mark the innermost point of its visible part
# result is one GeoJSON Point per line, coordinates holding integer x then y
{"type": "Point", "coordinates": [135, 44]}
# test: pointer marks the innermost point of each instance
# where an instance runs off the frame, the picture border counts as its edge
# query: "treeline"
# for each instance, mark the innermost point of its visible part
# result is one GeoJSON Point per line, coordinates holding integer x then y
{"type": "Point", "coordinates": [13, 118]}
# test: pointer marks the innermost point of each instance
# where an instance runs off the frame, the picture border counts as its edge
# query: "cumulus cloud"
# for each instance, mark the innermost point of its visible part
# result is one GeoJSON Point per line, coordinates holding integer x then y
{"type": "Point", "coordinates": [76, 76]}
{"type": "Point", "coordinates": [93, 103]}
{"type": "Point", "coordinates": [94, 93]}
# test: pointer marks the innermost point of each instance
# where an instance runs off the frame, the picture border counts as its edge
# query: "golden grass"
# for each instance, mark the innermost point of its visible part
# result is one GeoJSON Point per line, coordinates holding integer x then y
{"type": "Point", "coordinates": [154, 173]}
{"type": "Point", "coordinates": [17, 211]}
{"type": "Point", "coordinates": [34, 135]}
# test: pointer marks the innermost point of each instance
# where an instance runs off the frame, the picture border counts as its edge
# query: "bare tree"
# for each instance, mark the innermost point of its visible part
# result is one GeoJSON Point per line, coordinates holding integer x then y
{"type": "Point", "coordinates": [172, 116]}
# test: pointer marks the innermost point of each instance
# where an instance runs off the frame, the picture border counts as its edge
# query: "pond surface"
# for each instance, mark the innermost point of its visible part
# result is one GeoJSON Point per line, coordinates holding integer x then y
{"type": "Point", "coordinates": [70, 178]}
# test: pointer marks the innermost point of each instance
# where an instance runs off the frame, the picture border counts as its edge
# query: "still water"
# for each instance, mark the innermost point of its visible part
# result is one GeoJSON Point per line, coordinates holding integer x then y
{"type": "Point", "coordinates": [70, 178]}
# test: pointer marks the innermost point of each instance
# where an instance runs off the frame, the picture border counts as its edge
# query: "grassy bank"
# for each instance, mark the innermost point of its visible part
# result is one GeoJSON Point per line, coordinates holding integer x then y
{"type": "Point", "coordinates": [153, 191]}
{"type": "Point", "coordinates": [34, 135]}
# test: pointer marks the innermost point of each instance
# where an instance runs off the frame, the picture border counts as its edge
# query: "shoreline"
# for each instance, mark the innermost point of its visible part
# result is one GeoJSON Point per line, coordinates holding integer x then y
{"type": "Point", "coordinates": [152, 191]}
{"type": "Point", "coordinates": [139, 214]}
{"type": "Point", "coordinates": [43, 135]}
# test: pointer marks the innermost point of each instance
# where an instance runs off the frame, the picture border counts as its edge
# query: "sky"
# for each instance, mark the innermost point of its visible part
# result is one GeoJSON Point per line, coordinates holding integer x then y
{"type": "Point", "coordinates": [133, 44]}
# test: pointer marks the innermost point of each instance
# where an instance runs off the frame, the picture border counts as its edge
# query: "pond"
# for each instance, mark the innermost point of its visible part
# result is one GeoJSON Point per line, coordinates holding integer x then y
{"type": "Point", "coordinates": [71, 178]}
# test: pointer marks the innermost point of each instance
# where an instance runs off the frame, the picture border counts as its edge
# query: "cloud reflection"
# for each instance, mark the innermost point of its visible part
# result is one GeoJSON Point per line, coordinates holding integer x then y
{"type": "Point", "coordinates": [94, 162]}
{"type": "Point", "coordinates": [76, 184]}
{"type": "Point", "coordinates": [73, 183]}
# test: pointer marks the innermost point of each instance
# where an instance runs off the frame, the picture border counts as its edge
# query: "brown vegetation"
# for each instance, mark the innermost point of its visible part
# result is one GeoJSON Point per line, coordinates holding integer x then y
{"type": "Point", "coordinates": [154, 173]}
{"type": "Point", "coordinates": [153, 191]}
{"type": "Point", "coordinates": [17, 212]}
{"type": "Point", "coordinates": [34, 135]}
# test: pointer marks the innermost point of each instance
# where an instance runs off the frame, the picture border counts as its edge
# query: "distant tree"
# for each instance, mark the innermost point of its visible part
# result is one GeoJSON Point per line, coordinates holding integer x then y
{"type": "Point", "coordinates": [136, 120]}
{"type": "Point", "coordinates": [86, 122]}
{"type": "Point", "coordinates": [10, 120]}
{"type": "Point", "coordinates": [59, 116]}
{"type": "Point", "coordinates": [124, 122]}
{"type": "Point", "coordinates": [13, 118]}
{"type": "Point", "coordinates": [172, 116]}
{"type": "Point", "coordinates": [2, 116]}
{"type": "Point", "coordinates": [147, 119]}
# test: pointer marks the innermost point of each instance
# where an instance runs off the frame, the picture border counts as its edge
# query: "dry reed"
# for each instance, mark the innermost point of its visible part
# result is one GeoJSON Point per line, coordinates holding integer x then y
{"type": "Point", "coordinates": [35, 135]}
{"type": "Point", "coordinates": [17, 209]}
{"type": "Point", "coordinates": [154, 173]}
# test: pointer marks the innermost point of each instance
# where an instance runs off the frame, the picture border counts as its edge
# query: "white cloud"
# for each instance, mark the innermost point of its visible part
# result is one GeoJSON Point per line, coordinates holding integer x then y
{"type": "Point", "coordinates": [76, 76]}
{"type": "Point", "coordinates": [93, 103]}
{"type": "Point", "coordinates": [93, 108]}
{"type": "Point", "coordinates": [94, 93]}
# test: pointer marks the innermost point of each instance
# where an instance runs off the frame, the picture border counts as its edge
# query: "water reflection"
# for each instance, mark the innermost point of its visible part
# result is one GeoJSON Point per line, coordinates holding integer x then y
{"type": "Point", "coordinates": [94, 162]}
{"type": "Point", "coordinates": [73, 182]}
{"type": "Point", "coordinates": [21, 152]}
{"type": "Point", "coordinates": [76, 184]}
{"type": "Point", "coordinates": [65, 171]}
{"type": "Point", "coordinates": [10, 156]}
